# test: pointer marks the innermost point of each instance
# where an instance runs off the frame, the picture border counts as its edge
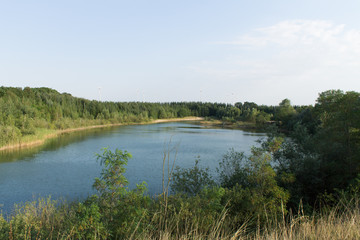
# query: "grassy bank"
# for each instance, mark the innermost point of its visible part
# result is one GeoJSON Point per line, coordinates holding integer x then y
{"type": "Point", "coordinates": [42, 134]}
{"type": "Point", "coordinates": [46, 219]}
{"type": "Point", "coordinates": [333, 224]}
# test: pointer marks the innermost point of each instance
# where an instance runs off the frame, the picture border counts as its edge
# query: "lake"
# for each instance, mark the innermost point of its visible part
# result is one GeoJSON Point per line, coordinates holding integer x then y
{"type": "Point", "coordinates": [66, 166]}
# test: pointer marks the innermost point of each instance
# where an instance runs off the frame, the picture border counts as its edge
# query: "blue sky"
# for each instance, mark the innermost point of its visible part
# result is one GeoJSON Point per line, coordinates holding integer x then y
{"type": "Point", "coordinates": [162, 51]}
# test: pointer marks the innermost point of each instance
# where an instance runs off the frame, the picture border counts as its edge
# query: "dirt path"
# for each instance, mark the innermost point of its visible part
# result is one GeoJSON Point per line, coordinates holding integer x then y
{"type": "Point", "coordinates": [59, 132]}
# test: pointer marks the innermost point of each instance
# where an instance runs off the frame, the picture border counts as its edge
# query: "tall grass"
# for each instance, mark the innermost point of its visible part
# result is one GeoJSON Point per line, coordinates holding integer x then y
{"type": "Point", "coordinates": [340, 222]}
{"type": "Point", "coordinates": [49, 219]}
{"type": "Point", "coordinates": [39, 135]}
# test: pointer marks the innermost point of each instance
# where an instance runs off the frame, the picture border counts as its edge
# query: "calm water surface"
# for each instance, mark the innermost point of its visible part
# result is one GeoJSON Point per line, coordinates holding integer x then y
{"type": "Point", "coordinates": [66, 166]}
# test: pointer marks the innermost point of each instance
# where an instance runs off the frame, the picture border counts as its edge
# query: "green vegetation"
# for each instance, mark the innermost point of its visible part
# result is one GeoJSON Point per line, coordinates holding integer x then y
{"type": "Point", "coordinates": [26, 113]}
{"type": "Point", "coordinates": [303, 182]}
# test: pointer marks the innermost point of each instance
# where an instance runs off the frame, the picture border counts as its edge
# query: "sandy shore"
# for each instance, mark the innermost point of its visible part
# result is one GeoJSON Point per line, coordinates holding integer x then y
{"type": "Point", "coordinates": [177, 119]}
{"type": "Point", "coordinates": [59, 132]}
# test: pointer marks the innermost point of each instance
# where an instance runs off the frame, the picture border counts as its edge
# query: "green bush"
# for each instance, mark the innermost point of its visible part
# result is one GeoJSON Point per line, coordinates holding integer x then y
{"type": "Point", "coordinates": [88, 222]}
{"type": "Point", "coordinates": [231, 169]}
{"type": "Point", "coordinates": [121, 209]}
{"type": "Point", "coordinates": [192, 180]}
{"type": "Point", "coordinates": [251, 182]}
{"type": "Point", "coordinates": [36, 220]}
{"type": "Point", "coordinates": [4, 228]}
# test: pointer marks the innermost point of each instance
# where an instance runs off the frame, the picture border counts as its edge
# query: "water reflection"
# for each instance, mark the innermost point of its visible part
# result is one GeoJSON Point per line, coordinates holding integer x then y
{"type": "Point", "coordinates": [53, 144]}
{"type": "Point", "coordinates": [66, 166]}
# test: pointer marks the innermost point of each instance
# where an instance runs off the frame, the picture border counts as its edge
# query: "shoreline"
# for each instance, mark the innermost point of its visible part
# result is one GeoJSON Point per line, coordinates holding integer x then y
{"type": "Point", "coordinates": [70, 130]}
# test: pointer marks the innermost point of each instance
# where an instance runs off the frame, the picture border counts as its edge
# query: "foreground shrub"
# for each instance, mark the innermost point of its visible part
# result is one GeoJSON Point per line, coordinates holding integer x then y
{"type": "Point", "coordinates": [252, 191]}
{"type": "Point", "coordinates": [191, 181]}
{"type": "Point", "coordinates": [38, 220]}
{"type": "Point", "coordinates": [121, 209]}
{"type": "Point", "coordinates": [4, 228]}
{"type": "Point", "coordinates": [87, 222]}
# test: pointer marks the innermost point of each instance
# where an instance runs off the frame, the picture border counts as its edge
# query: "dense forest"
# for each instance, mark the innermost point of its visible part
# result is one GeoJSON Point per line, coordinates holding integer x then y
{"type": "Point", "coordinates": [309, 162]}
{"type": "Point", "coordinates": [24, 111]}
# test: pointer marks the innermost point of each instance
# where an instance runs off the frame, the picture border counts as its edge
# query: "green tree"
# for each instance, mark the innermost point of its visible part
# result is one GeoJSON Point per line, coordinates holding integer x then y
{"type": "Point", "coordinates": [263, 118]}
{"type": "Point", "coordinates": [339, 136]}
{"type": "Point", "coordinates": [284, 112]}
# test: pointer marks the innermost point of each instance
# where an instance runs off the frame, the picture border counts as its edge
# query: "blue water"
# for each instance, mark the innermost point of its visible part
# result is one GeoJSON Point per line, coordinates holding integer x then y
{"type": "Point", "coordinates": [66, 166]}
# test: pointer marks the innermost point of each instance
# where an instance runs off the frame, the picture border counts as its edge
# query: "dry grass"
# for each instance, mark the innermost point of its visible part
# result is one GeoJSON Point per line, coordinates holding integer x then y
{"type": "Point", "coordinates": [342, 222]}
{"type": "Point", "coordinates": [338, 223]}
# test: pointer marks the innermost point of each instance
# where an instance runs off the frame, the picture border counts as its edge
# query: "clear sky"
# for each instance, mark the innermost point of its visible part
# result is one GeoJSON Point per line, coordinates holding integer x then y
{"type": "Point", "coordinates": [186, 50]}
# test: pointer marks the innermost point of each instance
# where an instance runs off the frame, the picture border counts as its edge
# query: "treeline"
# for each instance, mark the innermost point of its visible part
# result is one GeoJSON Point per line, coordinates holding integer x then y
{"type": "Point", "coordinates": [42, 105]}
{"type": "Point", "coordinates": [25, 110]}
{"type": "Point", "coordinates": [322, 149]}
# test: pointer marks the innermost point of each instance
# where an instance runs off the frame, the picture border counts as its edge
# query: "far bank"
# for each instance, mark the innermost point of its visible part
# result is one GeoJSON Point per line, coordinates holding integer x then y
{"type": "Point", "coordinates": [42, 135]}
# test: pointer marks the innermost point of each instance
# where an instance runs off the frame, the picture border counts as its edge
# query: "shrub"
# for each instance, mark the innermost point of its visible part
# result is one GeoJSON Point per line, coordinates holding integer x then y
{"type": "Point", "coordinates": [4, 228]}
{"type": "Point", "coordinates": [121, 209]}
{"type": "Point", "coordinates": [231, 169]}
{"type": "Point", "coordinates": [252, 189]}
{"type": "Point", "coordinates": [192, 180]}
{"type": "Point", "coordinates": [87, 222]}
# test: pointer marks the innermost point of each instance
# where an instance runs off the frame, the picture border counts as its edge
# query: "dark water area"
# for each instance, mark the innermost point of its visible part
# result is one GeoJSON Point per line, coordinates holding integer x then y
{"type": "Point", "coordinates": [65, 167]}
